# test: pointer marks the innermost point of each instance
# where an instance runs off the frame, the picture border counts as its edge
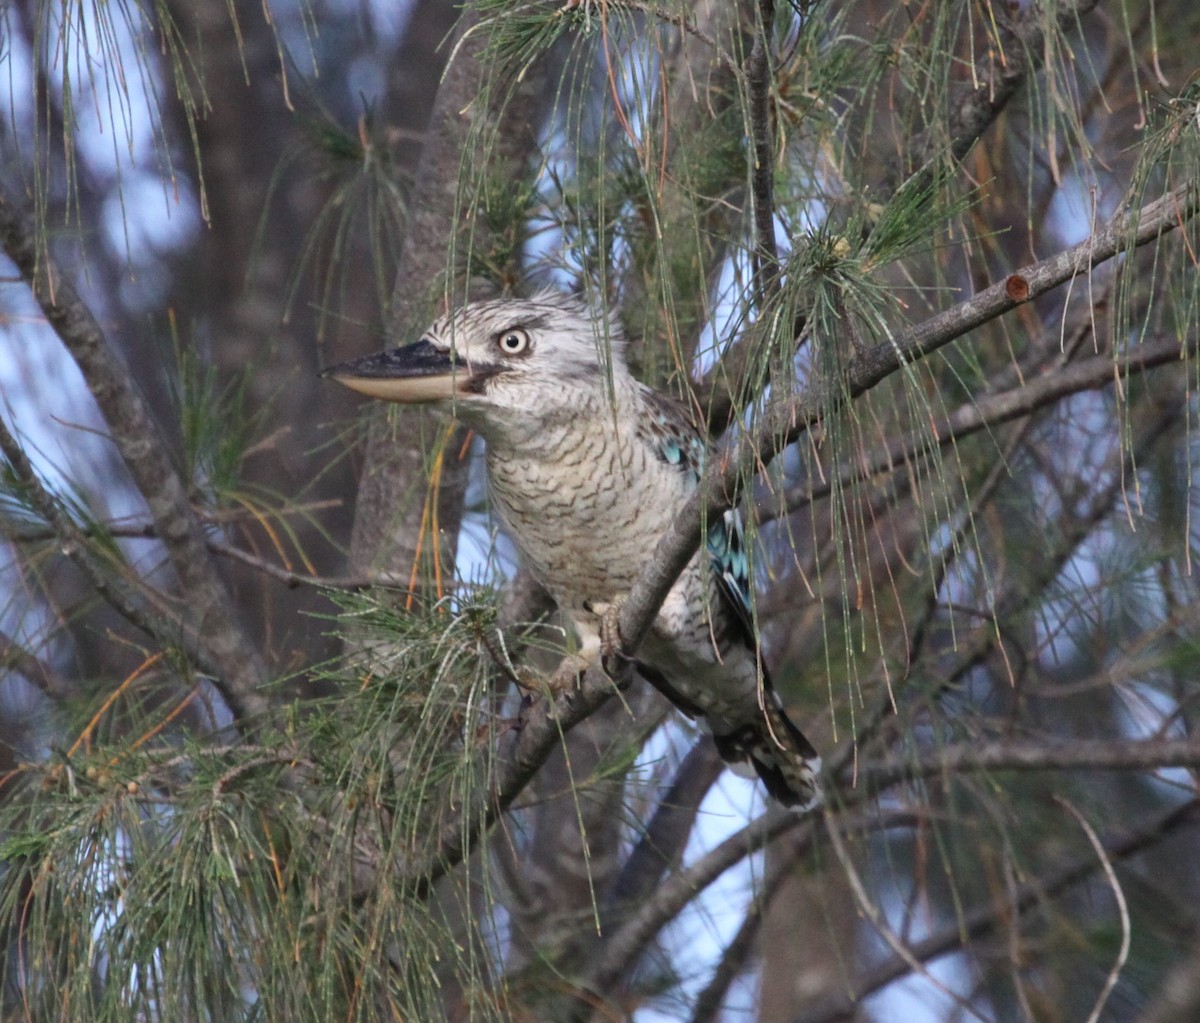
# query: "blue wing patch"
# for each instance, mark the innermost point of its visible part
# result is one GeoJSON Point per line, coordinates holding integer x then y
{"type": "Point", "coordinates": [727, 554]}
{"type": "Point", "coordinates": [677, 442]}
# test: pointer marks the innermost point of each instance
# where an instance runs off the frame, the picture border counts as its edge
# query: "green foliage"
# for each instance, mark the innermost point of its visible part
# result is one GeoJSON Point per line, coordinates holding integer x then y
{"type": "Point", "coordinates": [271, 878]}
{"type": "Point", "coordinates": [363, 218]}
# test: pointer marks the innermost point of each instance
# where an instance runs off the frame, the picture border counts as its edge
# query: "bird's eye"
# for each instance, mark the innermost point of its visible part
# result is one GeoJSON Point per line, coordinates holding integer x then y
{"type": "Point", "coordinates": [513, 342]}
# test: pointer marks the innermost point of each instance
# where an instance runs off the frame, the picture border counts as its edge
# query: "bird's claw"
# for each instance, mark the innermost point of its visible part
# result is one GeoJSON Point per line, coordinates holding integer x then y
{"type": "Point", "coordinates": [613, 659]}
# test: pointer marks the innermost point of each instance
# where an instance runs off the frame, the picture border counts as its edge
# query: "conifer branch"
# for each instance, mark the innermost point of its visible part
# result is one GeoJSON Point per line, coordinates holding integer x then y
{"type": "Point", "coordinates": [218, 636]}
{"type": "Point", "coordinates": [786, 418]}
{"type": "Point", "coordinates": [146, 611]}
{"type": "Point", "coordinates": [978, 102]}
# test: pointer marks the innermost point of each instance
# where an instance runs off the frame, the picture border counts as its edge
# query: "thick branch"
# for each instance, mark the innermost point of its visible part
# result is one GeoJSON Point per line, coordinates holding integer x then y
{"type": "Point", "coordinates": [144, 450]}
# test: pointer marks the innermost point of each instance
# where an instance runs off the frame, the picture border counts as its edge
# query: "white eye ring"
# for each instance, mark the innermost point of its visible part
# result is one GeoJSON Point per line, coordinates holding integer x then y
{"type": "Point", "coordinates": [512, 342]}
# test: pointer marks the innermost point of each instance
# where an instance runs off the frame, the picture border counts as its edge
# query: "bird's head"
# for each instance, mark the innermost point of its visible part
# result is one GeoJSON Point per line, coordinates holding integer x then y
{"type": "Point", "coordinates": [499, 361]}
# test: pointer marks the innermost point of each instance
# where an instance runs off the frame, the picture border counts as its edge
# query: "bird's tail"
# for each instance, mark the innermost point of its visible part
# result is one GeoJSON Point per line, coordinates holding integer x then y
{"type": "Point", "coordinates": [775, 750]}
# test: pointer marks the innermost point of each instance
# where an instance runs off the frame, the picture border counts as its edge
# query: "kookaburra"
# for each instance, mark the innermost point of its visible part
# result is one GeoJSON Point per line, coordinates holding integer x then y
{"type": "Point", "coordinates": [587, 468]}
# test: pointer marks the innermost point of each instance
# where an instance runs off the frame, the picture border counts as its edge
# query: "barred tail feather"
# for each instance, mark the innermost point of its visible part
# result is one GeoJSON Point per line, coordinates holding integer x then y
{"type": "Point", "coordinates": [777, 752]}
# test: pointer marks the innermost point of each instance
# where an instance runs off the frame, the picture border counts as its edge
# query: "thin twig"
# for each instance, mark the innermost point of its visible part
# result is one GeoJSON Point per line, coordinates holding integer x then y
{"type": "Point", "coordinates": [991, 410]}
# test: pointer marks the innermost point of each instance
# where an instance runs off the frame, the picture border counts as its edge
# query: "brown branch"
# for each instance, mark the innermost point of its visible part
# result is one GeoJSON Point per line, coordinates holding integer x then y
{"type": "Point", "coordinates": [218, 636]}
{"type": "Point", "coordinates": [984, 920]}
{"type": "Point", "coordinates": [622, 948]}
{"type": "Point", "coordinates": [146, 611]}
{"type": "Point", "coordinates": [787, 418]}
{"type": "Point", "coordinates": [759, 80]}
{"type": "Point", "coordinates": [992, 410]}
{"type": "Point", "coordinates": [1090, 506]}
{"type": "Point", "coordinates": [1051, 754]}
{"type": "Point", "coordinates": [973, 110]}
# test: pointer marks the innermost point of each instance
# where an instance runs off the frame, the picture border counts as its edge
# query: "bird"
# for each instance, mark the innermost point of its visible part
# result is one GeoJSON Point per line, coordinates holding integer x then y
{"type": "Point", "coordinates": [587, 468]}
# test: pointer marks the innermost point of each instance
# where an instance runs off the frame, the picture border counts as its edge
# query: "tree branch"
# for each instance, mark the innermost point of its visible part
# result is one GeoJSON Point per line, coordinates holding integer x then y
{"type": "Point", "coordinates": [1057, 754]}
{"type": "Point", "coordinates": [786, 418]}
{"type": "Point", "coordinates": [991, 410]}
{"type": "Point", "coordinates": [980, 922]}
{"type": "Point", "coordinates": [218, 636]}
{"type": "Point", "coordinates": [976, 105]}
{"type": "Point", "coordinates": [759, 79]}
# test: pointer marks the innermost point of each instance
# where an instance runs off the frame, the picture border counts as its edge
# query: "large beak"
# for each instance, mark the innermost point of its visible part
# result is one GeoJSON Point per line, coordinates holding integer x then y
{"type": "Point", "coordinates": [415, 373]}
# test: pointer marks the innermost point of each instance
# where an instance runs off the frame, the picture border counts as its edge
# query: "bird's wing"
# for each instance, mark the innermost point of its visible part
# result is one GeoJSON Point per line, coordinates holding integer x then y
{"type": "Point", "coordinates": [676, 441]}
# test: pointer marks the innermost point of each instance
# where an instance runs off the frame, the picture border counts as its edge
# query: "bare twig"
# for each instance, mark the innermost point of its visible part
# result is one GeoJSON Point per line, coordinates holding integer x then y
{"type": "Point", "coordinates": [991, 410]}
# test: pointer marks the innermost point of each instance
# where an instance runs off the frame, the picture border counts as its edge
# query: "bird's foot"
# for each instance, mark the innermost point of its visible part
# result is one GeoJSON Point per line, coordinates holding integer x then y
{"type": "Point", "coordinates": [569, 674]}
{"type": "Point", "coordinates": [535, 687]}
{"type": "Point", "coordinates": [613, 659]}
